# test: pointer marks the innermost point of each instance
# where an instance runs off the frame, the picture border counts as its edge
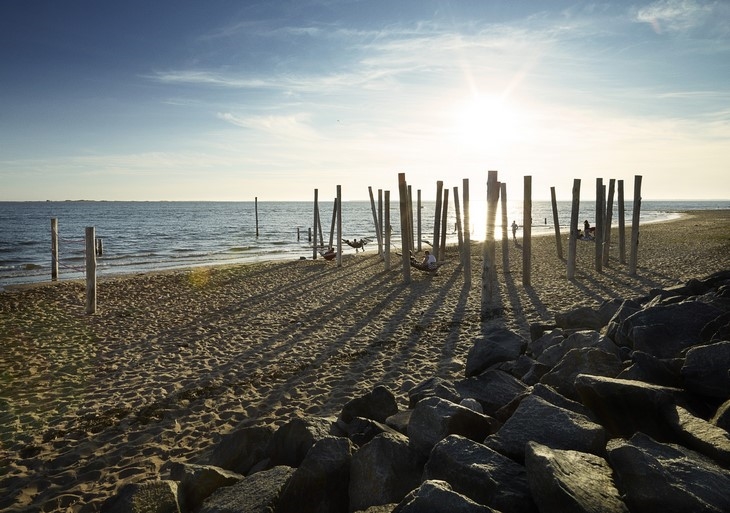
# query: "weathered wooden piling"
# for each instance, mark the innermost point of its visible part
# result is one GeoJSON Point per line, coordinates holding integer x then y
{"type": "Point", "coordinates": [573, 240]}
{"type": "Point", "coordinates": [314, 223]}
{"type": "Point", "coordinates": [437, 219]}
{"type": "Point", "coordinates": [621, 224]}
{"type": "Point", "coordinates": [598, 235]}
{"type": "Point", "coordinates": [489, 271]}
{"type": "Point", "coordinates": [466, 255]}
{"type": "Point", "coordinates": [505, 235]}
{"type": "Point", "coordinates": [339, 226]}
{"type": "Point", "coordinates": [527, 233]}
{"type": "Point", "coordinates": [90, 270]}
{"type": "Point", "coordinates": [459, 234]}
{"type": "Point", "coordinates": [386, 228]}
{"type": "Point", "coordinates": [635, 226]}
{"type": "Point", "coordinates": [419, 218]}
{"type": "Point", "coordinates": [256, 209]}
{"type": "Point", "coordinates": [556, 222]}
{"type": "Point", "coordinates": [608, 219]}
{"type": "Point", "coordinates": [405, 249]}
{"type": "Point", "coordinates": [441, 256]}
{"type": "Point", "coordinates": [378, 234]}
{"type": "Point", "coordinates": [54, 249]}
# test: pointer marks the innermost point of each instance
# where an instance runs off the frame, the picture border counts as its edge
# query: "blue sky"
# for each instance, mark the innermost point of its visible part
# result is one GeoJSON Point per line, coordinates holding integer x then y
{"type": "Point", "coordinates": [231, 100]}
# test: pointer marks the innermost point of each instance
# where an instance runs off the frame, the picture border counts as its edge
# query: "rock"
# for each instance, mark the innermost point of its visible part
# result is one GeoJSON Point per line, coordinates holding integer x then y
{"type": "Point", "coordinates": [242, 449]}
{"type": "Point", "coordinates": [651, 369]}
{"type": "Point", "coordinates": [552, 396]}
{"type": "Point", "coordinates": [705, 370]}
{"type": "Point", "coordinates": [613, 329]}
{"type": "Point", "coordinates": [625, 407]}
{"type": "Point", "coordinates": [664, 331]}
{"type": "Point", "coordinates": [321, 482]}
{"type": "Point", "coordinates": [571, 482]}
{"type": "Point", "coordinates": [579, 318]}
{"type": "Point", "coordinates": [721, 418]}
{"type": "Point", "coordinates": [493, 389]}
{"type": "Point", "coordinates": [379, 404]}
{"type": "Point", "coordinates": [438, 497]}
{"type": "Point", "coordinates": [257, 492]}
{"type": "Point", "coordinates": [549, 339]}
{"type": "Point", "coordinates": [577, 361]}
{"type": "Point", "coordinates": [498, 346]}
{"type": "Point", "coordinates": [699, 435]}
{"type": "Point", "coordinates": [360, 430]}
{"type": "Point", "coordinates": [433, 419]}
{"type": "Point", "coordinates": [663, 477]}
{"type": "Point", "coordinates": [516, 368]}
{"type": "Point", "coordinates": [400, 421]}
{"type": "Point", "coordinates": [718, 329]}
{"type": "Point", "coordinates": [148, 497]}
{"type": "Point", "coordinates": [472, 404]}
{"type": "Point", "coordinates": [291, 442]}
{"type": "Point", "coordinates": [197, 482]}
{"type": "Point", "coordinates": [536, 420]}
{"type": "Point", "coordinates": [480, 473]}
{"type": "Point", "coordinates": [383, 471]}
{"type": "Point", "coordinates": [433, 387]}
{"type": "Point", "coordinates": [577, 340]}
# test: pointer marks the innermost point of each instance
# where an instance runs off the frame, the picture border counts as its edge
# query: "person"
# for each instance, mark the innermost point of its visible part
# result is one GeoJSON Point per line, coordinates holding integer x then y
{"type": "Point", "coordinates": [330, 254]}
{"type": "Point", "coordinates": [514, 231]}
{"type": "Point", "coordinates": [586, 229]}
{"type": "Point", "coordinates": [429, 261]}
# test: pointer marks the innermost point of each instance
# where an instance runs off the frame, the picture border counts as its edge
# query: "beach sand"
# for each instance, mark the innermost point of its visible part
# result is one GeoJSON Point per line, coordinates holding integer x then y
{"type": "Point", "coordinates": [172, 360]}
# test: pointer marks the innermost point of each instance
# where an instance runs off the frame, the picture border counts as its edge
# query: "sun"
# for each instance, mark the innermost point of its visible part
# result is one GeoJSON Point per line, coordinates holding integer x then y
{"type": "Point", "coordinates": [484, 121]}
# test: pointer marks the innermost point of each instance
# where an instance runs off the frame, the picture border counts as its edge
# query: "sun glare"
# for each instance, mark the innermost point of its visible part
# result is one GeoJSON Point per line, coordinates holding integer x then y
{"type": "Point", "coordinates": [485, 122]}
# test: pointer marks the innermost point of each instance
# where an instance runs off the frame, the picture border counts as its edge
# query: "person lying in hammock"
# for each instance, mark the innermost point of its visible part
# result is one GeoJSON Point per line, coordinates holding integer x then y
{"type": "Point", "coordinates": [357, 244]}
{"type": "Point", "coordinates": [330, 254]}
{"type": "Point", "coordinates": [427, 264]}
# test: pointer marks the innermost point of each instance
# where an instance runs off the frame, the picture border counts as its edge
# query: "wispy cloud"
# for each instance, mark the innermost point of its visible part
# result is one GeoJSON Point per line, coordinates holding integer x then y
{"type": "Point", "coordinates": [685, 16]}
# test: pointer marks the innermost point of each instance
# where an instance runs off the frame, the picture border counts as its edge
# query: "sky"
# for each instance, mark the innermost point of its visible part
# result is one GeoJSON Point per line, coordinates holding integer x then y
{"type": "Point", "coordinates": [235, 100]}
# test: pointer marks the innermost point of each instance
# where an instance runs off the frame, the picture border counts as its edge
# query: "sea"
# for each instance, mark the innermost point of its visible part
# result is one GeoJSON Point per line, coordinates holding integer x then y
{"type": "Point", "coordinates": [139, 237]}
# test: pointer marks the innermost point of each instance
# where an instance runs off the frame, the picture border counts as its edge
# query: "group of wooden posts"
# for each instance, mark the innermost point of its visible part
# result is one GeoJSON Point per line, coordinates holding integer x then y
{"type": "Point", "coordinates": [93, 247]}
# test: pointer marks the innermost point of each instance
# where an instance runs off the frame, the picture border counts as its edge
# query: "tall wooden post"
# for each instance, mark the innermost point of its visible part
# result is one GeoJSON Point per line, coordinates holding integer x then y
{"type": "Point", "coordinates": [621, 224]}
{"type": "Point", "coordinates": [378, 234]}
{"type": "Point", "coordinates": [437, 219]}
{"type": "Point", "coordinates": [418, 217]}
{"type": "Point", "coordinates": [386, 228]}
{"type": "Point", "coordinates": [607, 221]}
{"type": "Point", "coordinates": [527, 233]}
{"type": "Point", "coordinates": [339, 226]}
{"type": "Point", "coordinates": [459, 234]}
{"type": "Point", "coordinates": [600, 194]}
{"type": "Point", "coordinates": [444, 216]}
{"type": "Point", "coordinates": [466, 256]}
{"type": "Point", "coordinates": [406, 250]}
{"type": "Point", "coordinates": [505, 235]}
{"type": "Point", "coordinates": [315, 222]}
{"type": "Point", "coordinates": [635, 226]}
{"type": "Point", "coordinates": [573, 240]}
{"type": "Point", "coordinates": [489, 271]}
{"type": "Point", "coordinates": [54, 248]}
{"type": "Point", "coordinates": [556, 222]}
{"type": "Point", "coordinates": [90, 270]}
{"type": "Point", "coordinates": [332, 224]}
{"type": "Point", "coordinates": [256, 209]}
{"type": "Point", "coordinates": [410, 217]}
{"type": "Point", "coordinates": [380, 222]}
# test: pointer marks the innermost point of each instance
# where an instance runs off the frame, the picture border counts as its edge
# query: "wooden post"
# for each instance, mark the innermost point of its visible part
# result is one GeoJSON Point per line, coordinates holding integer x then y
{"type": "Point", "coordinates": [256, 208]}
{"type": "Point", "coordinates": [410, 217]}
{"type": "Point", "coordinates": [459, 234]}
{"type": "Point", "coordinates": [406, 256]}
{"type": "Point", "coordinates": [635, 226]}
{"type": "Point", "coordinates": [309, 234]}
{"type": "Point", "coordinates": [607, 221]}
{"type": "Point", "coordinates": [99, 247]}
{"type": "Point", "coordinates": [556, 222]}
{"type": "Point", "coordinates": [380, 221]}
{"type": "Point", "coordinates": [386, 227]}
{"type": "Point", "coordinates": [527, 233]}
{"type": "Point", "coordinates": [505, 236]}
{"type": "Point", "coordinates": [444, 218]}
{"type": "Point", "coordinates": [332, 224]}
{"type": "Point", "coordinates": [466, 256]}
{"type": "Point", "coordinates": [297, 233]}
{"type": "Point", "coordinates": [378, 235]}
{"type": "Point", "coordinates": [339, 226]}
{"type": "Point", "coordinates": [437, 219]}
{"type": "Point", "coordinates": [489, 272]}
{"type": "Point", "coordinates": [599, 224]}
{"type": "Point", "coordinates": [573, 240]}
{"type": "Point", "coordinates": [316, 218]}
{"type": "Point", "coordinates": [54, 248]}
{"type": "Point", "coordinates": [90, 270]}
{"type": "Point", "coordinates": [418, 217]}
{"type": "Point", "coordinates": [621, 224]}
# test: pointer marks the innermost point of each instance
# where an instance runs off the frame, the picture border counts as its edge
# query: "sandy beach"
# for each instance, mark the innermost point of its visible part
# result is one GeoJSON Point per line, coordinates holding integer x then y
{"type": "Point", "coordinates": [173, 360]}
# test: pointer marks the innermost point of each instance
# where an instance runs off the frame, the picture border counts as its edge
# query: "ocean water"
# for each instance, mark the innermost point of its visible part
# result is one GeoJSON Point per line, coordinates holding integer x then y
{"type": "Point", "coordinates": [149, 236]}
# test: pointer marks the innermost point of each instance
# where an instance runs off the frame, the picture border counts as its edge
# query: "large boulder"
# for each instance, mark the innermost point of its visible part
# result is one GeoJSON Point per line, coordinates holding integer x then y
{"type": "Point", "coordinates": [292, 441]}
{"type": "Point", "coordinates": [536, 420]}
{"type": "Point", "coordinates": [581, 361]}
{"type": "Point", "coordinates": [378, 405]}
{"type": "Point", "coordinates": [438, 497]}
{"type": "Point", "coordinates": [480, 473]}
{"type": "Point", "coordinates": [321, 482]}
{"type": "Point", "coordinates": [670, 478]}
{"type": "Point", "coordinates": [721, 418]}
{"type": "Point", "coordinates": [498, 346]}
{"type": "Point", "coordinates": [242, 449]}
{"type": "Point", "coordinates": [433, 387]}
{"type": "Point", "coordinates": [433, 419]}
{"type": "Point", "coordinates": [578, 340]}
{"type": "Point", "coordinates": [258, 492]}
{"type": "Point", "coordinates": [547, 340]}
{"type": "Point", "coordinates": [705, 370]}
{"type": "Point", "coordinates": [650, 369]}
{"type": "Point", "coordinates": [197, 482]}
{"type": "Point", "coordinates": [383, 472]}
{"type": "Point", "coordinates": [571, 481]}
{"type": "Point", "coordinates": [613, 330]}
{"type": "Point", "coordinates": [492, 388]}
{"type": "Point", "coordinates": [360, 431]}
{"type": "Point", "coordinates": [147, 497]}
{"type": "Point", "coordinates": [699, 434]}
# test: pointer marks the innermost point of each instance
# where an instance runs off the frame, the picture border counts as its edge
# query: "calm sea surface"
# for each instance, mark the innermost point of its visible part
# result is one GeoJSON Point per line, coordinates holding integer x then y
{"type": "Point", "coordinates": [149, 236]}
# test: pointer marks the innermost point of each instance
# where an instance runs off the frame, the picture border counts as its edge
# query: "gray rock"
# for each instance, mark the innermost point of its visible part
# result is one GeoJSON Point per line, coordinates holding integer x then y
{"type": "Point", "coordinates": [650, 369]}
{"type": "Point", "coordinates": [472, 404]}
{"type": "Point", "coordinates": [721, 418]}
{"type": "Point", "coordinates": [433, 387]}
{"type": "Point", "coordinates": [498, 346]}
{"type": "Point", "coordinates": [581, 361]}
{"type": "Point", "coordinates": [536, 420]}
{"type": "Point", "coordinates": [400, 421]}
{"type": "Point", "coordinates": [360, 430]}
{"type": "Point", "coordinates": [148, 497]}
{"type": "Point", "coordinates": [197, 482]}
{"type": "Point", "coordinates": [670, 478]}
{"type": "Point", "coordinates": [438, 497]}
{"type": "Point", "coordinates": [257, 493]}
{"type": "Point", "coordinates": [549, 339]}
{"type": "Point", "coordinates": [579, 318]}
{"type": "Point", "coordinates": [433, 419]}
{"type": "Point", "coordinates": [378, 404]}
{"type": "Point", "coordinates": [242, 449]}
{"type": "Point", "coordinates": [321, 482]}
{"type": "Point", "coordinates": [613, 329]}
{"type": "Point", "coordinates": [577, 340]}
{"type": "Point", "coordinates": [552, 396]}
{"type": "Point", "coordinates": [571, 482]}
{"type": "Point", "coordinates": [493, 389]}
{"type": "Point", "coordinates": [383, 471]}
{"type": "Point", "coordinates": [705, 370]}
{"type": "Point", "coordinates": [291, 442]}
{"type": "Point", "coordinates": [699, 435]}
{"type": "Point", "coordinates": [480, 473]}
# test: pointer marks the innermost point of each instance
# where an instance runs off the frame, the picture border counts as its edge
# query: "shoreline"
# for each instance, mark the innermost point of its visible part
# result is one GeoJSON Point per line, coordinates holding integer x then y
{"type": "Point", "coordinates": [174, 359]}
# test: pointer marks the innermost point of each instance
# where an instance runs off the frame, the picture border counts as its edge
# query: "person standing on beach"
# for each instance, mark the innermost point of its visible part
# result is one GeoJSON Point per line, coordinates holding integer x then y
{"type": "Point", "coordinates": [514, 231]}
{"type": "Point", "coordinates": [586, 229]}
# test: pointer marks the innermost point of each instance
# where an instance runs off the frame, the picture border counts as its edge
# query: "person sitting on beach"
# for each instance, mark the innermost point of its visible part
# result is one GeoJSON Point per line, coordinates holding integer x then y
{"type": "Point", "coordinates": [586, 229]}
{"type": "Point", "coordinates": [429, 261]}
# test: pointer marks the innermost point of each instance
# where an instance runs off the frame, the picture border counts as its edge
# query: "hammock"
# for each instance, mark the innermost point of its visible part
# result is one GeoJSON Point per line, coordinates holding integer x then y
{"type": "Point", "coordinates": [330, 254]}
{"type": "Point", "coordinates": [357, 244]}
